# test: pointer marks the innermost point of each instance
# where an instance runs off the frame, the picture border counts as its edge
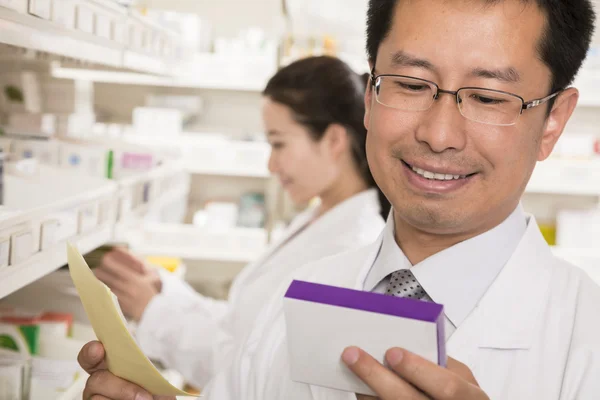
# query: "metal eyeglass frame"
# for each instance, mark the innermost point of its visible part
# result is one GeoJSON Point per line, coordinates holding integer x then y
{"type": "Point", "coordinates": [525, 105]}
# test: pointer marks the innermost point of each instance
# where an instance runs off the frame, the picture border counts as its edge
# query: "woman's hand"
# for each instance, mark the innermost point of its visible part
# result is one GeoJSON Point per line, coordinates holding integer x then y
{"type": "Point", "coordinates": [132, 281]}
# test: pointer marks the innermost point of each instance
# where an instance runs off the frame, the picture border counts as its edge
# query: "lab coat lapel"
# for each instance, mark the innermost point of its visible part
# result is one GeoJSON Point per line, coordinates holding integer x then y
{"type": "Point", "coordinates": [511, 312]}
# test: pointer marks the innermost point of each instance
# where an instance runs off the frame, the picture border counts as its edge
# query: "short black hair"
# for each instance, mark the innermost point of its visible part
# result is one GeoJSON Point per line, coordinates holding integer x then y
{"type": "Point", "coordinates": [563, 47]}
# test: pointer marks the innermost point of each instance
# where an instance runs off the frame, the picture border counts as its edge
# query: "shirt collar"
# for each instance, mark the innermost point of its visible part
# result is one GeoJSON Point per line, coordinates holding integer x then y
{"type": "Point", "coordinates": [459, 276]}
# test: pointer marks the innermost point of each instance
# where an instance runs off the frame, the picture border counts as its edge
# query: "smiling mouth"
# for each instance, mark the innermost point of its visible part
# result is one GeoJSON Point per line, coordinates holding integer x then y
{"type": "Point", "coordinates": [435, 176]}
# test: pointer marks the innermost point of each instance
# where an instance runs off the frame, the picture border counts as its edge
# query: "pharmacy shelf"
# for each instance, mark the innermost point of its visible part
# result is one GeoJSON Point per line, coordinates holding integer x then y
{"type": "Point", "coordinates": [588, 83]}
{"type": "Point", "coordinates": [45, 207]}
{"type": "Point", "coordinates": [224, 157]}
{"type": "Point", "coordinates": [566, 176]}
{"type": "Point", "coordinates": [23, 30]}
{"type": "Point", "coordinates": [239, 245]}
{"type": "Point", "coordinates": [587, 259]}
{"type": "Point", "coordinates": [15, 277]}
{"type": "Point", "coordinates": [173, 77]}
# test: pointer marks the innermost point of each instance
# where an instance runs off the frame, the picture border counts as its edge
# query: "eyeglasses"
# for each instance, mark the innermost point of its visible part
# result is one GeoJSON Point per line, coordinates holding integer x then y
{"type": "Point", "coordinates": [487, 106]}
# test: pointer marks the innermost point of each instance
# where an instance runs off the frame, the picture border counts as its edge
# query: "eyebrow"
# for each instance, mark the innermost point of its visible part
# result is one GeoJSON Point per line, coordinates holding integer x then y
{"type": "Point", "coordinates": [508, 75]}
{"type": "Point", "coordinates": [404, 59]}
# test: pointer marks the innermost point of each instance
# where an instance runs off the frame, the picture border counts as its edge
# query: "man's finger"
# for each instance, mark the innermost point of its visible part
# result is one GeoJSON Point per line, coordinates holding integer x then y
{"type": "Point", "coordinates": [381, 380]}
{"type": "Point", "coordinates": [91, 357]}
{"type": "Point", "coordinates": [437, 382]}
{"type": "Point", "coordinates": [108, 385]}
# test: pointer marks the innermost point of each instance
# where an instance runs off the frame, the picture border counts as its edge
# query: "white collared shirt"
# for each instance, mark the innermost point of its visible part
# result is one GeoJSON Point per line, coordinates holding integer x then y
{"type": "Point", "coordinates": [457, 277]}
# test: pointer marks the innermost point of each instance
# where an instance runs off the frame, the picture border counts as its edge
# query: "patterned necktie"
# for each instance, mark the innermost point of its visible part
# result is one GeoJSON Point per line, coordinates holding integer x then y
{"type": "Point", "coordinates": [404, 284]}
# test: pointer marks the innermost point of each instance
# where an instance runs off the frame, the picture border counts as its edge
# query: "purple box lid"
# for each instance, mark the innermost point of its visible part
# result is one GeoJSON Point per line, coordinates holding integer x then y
{"type": "Point", "coordinates": [373, 302]}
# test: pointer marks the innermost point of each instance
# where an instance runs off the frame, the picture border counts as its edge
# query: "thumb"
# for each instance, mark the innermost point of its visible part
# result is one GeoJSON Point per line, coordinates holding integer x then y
{"type": "Point", "coordinates": [91, 357]}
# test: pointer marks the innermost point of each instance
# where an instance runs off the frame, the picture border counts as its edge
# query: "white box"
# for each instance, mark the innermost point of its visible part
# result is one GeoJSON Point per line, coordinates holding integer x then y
{"type": "Point", "coordinates": [64, 12]}
{"type": "Point", "coordinates": [21, 247]}
{"type": "Point", "coordinates": [80, 125]}
{"type": "Point", "coordinates": [4, 252]}
{"type": "Point", "coordinates": [157, 121]}
{"type": "Point", "coordinates": [89, 160]}
{"type": "Point", "coordinates": [46, 151]}
{"type": "Point", "coordinates": [84, 20]}
{"type": "Point", "coordinates": [323, 320]}
{"type": "Point", "coordinates": [41, 8]}
{"type": "Point", "coordinates": [17, 5]}
{"type": "Point", "coordinates": [88, 218]}
{"type": "Point", "coordinates": [49, 234]}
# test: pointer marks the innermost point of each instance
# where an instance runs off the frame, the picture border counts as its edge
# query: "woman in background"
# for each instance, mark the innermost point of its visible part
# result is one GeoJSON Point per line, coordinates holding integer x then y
{"type": "Point", "coordinates": [313, 113]}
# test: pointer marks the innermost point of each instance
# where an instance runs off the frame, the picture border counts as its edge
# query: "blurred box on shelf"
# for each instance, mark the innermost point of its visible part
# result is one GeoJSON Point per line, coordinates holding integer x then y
{"type": "Point", "coordinates": [222, 156]}
{"type": "Point", "coordinates": [84, 17]}
{"type": "Point", "coordinates": [91, 160]}
{"type": "Point", "coordinates": [64, 13]}
{"type": "Point", "coordinates": [17, 5]}
{"type": "Point", "coordinates": [31, 124]}
{"type": "Point", "coordinates": [106, 14]}
{"type": "Point", "coordinates": [45, 151]}
{"type": "Point", "coordinates": [79, 125]}
{"type": "Point", "coordinates": [578, 229]}
{"type": "Point", "coordinates": [41, 8]}
{"type": "Point", "coordinates": [152, 121]}
{"type": "Point", "coordinates": [575, 145]}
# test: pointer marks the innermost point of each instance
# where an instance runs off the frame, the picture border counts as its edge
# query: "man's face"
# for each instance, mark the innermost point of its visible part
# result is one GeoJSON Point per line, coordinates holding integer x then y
{"type": "Point", "coordinates": [461, 44]}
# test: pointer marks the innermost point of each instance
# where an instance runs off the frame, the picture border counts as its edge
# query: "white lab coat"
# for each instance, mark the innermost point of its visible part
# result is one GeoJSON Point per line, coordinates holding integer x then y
{"type": "Point", "coordinates": [534, 335]}
{"type": "Point", "coordinates": [194, 334]}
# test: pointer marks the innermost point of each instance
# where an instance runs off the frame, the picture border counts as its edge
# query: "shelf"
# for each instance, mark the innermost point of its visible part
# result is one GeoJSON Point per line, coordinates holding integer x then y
{"type": "Point", "coordinates": [566, 176]}
{"type": "Point", "coordinates": [224, 157]}
{"type": "Point", "coordinates": [15, 277]}
{"type": "Point", "coordinates": [586, 259]}
{"type": "Point", "coordinates": [198, 80]}
{"type": "Point", "coordinates": [23, 30]}
{"type": "Point", "coordinates": [240, 245]}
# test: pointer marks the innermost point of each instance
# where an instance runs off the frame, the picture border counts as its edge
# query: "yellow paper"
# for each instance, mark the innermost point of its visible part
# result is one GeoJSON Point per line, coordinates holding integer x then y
{"type": "Point", "coordinates": [123, 356]}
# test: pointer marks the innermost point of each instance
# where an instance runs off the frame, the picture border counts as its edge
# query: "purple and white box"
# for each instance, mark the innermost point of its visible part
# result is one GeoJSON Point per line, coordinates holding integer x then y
{"type": "Point", "coordinates": [321, 321]}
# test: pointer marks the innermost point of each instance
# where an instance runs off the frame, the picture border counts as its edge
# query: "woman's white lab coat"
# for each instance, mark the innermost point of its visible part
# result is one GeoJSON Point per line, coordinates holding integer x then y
{"type": "Point", "coordinates": [534, 335]}
{"type": "Point", "coordinates": [194, 334]}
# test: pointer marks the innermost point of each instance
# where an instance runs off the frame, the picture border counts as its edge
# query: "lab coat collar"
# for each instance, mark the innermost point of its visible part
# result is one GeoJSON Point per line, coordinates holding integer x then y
{"type": "Point", "coordinates": [511, 312]}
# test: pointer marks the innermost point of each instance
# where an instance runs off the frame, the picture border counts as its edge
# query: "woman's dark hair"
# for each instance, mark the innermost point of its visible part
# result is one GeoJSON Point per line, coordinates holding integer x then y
{"type": "Point", "coordinates": [322, 91]}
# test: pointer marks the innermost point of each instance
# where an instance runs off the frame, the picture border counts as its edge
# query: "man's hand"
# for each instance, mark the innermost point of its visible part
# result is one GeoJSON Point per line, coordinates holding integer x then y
{"type": "Point", "coordinates": [134, 283]}
{"type": "Point", "coordinates": [102, 385]}
{"type": "Point", "coordinates": [412, 377]}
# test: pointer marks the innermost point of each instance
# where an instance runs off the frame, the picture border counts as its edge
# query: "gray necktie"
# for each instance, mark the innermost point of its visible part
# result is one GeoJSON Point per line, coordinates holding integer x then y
{"type": "Point", "coordinates": [404, 284]}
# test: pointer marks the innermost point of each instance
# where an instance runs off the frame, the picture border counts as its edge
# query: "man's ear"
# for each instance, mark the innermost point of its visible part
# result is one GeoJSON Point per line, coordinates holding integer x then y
{"type": "Point", "coordinates": [368, 100]}
{"type": "Point", "coordinates": [557, 120]}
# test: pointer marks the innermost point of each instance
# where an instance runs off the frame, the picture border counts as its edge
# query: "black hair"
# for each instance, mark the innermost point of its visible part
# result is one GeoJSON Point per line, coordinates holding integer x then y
{"type": "Point", "coordinates": [322, 91]}
{"type": "Point", "coordinates": [563, 46]}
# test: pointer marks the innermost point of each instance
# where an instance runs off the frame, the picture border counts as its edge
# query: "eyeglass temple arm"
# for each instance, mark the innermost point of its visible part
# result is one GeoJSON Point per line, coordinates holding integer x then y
{"type": "Point", "coordinates": [535, 103]}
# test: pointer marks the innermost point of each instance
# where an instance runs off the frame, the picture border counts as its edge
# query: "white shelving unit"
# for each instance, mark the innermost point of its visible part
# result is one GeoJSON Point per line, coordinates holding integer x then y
{"type": "Point", "coordinates": [92, 45]}
{"type": "Point", "coordinates": [51, 206]}
{"type": "Point", "coordinates": [224, 157]}
{"type": "Point", "coordinates": [48, 207]}
{"type": "Point", "coordinates": [566, 176]}
{"type": "Point", "coordinates": [205, 71]}
{"type": "Point", "coordinates": [239, 245]}
{"type": "Point", "coordinates": [27, 31]}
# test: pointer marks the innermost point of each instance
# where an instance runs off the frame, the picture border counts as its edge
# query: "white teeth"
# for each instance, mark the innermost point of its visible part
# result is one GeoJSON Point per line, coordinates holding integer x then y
{"type": "Point", "coordinates": [436, 176]}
